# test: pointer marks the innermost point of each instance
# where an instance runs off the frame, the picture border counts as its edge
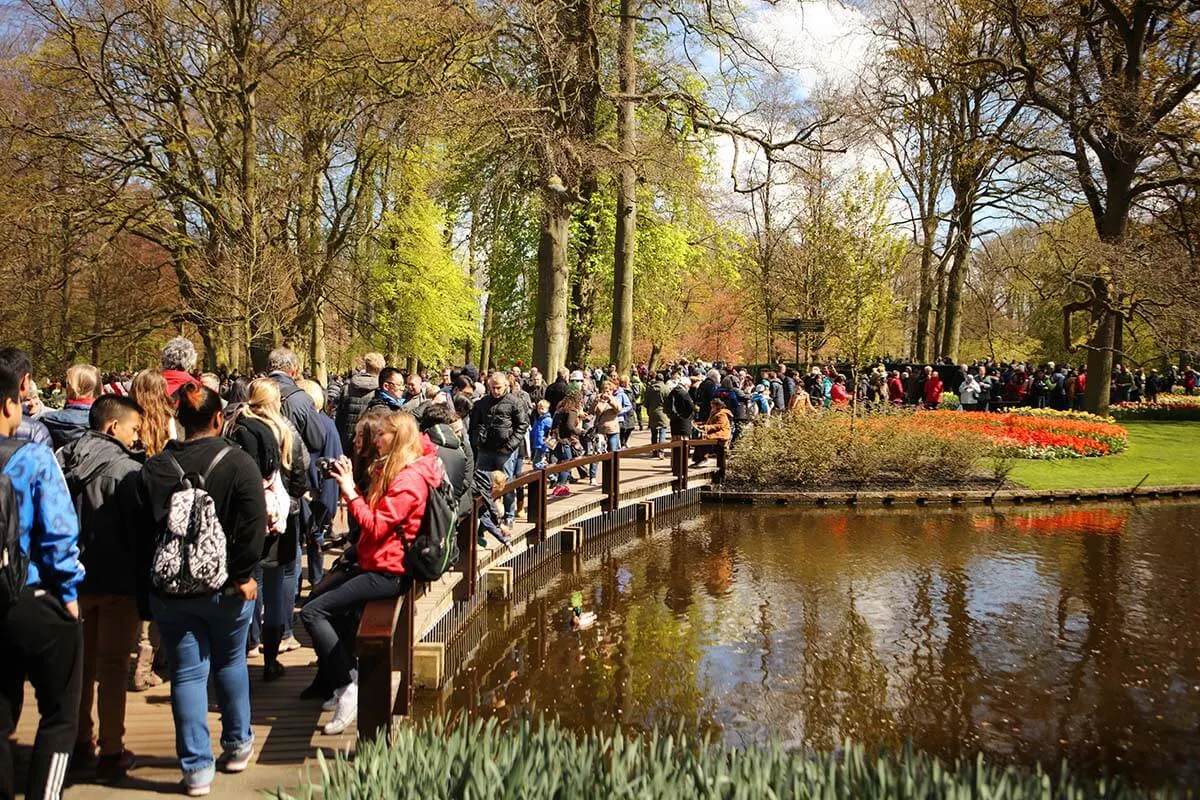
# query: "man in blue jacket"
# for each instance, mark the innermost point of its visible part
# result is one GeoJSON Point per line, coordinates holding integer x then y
{"type": "Point", "coordinates": [31, 428]}
{"type": "Point", "coordinates": [41, 639]}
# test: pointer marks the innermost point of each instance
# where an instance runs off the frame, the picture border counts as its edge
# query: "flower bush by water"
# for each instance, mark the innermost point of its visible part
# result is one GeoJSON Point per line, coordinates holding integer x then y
{"type": "Point", "coordinates": [910, 448]}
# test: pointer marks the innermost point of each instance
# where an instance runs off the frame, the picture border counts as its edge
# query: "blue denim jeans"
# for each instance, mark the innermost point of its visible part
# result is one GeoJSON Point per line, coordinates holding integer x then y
{"type": "Point", "coordinates": [563, 452]}
{"type": "Point", "coordinates": [316, 563]}
{"type": "Point", "coordinates": [199, 635]}
{"type": "Point", "coordinates": [485, 462]}
{"type": "Point", "coordinates": [606, 443]}
{"type": "Point", "coordinates": [272, 602]}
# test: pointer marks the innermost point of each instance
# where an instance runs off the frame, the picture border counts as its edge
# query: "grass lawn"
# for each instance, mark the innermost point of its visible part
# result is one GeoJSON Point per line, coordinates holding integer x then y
{"type": "Point", "coordinates": [1169, 451]}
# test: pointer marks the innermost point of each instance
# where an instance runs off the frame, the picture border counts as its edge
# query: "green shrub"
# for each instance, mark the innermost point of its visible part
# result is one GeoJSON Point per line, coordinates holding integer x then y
{"type": "Point", "coordinates": [484, 760]}
{"type": "Point", "coordinates": [811, 450]}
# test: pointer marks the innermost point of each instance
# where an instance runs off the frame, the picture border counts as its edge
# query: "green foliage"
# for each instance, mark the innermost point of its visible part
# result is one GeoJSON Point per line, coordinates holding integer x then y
{"type": "Point", "coordinates": [808, 450]}
{"type": "Point", "coordinates": [426, 298]}
{"type": "Point", "coordinates": [482, 760]}
{"type": "Point", "coordinates": [859, 253]}
{"type": "Point", "coordinates": [682, 252]}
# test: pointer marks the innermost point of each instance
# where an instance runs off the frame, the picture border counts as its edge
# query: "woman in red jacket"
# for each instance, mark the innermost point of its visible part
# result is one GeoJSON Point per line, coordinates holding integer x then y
{"type": "Point", "coordinates": [388, 519]}
{"type": "Point", "coordinates": [933, 389]}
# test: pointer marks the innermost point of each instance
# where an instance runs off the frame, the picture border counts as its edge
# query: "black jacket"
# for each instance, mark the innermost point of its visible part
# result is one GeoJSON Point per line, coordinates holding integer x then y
{"type": "Point", "coordinates": [680, 410]}
{"type": "Point", "coordinates": [555, 392]}
{"type": "Point", "coordinates": [704, 395]}
{"type": "Point", "coordinates": [236, 489]}
{"type": "Point", "coordinates": [498, 425]}
{"type": "Point", "coordinates": [356, 396]}
{"type": "Point", "coordinates": [300, 410]}
{"type": "Point", "coordinates": [456, 461]}
{"type": "Point", "coordinates": [103, 478]}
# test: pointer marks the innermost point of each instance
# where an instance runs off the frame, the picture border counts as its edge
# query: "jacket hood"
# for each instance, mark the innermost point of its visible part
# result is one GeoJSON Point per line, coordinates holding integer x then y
{"type": "Point", "coordinates": [442, 435]}
{"type": "Point", "coordinates": [364, 384]}
{"type": "Point", "coordinates": [89, 454]}
{"type": "Point", "coordinates": [428, 466]}
{"type": "Point", "coordinates": [176, 378]}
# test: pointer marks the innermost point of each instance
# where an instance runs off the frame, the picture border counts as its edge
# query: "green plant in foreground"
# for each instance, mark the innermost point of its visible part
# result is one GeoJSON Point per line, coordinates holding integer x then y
{"type": "Point", "coordinates": [482, 760]}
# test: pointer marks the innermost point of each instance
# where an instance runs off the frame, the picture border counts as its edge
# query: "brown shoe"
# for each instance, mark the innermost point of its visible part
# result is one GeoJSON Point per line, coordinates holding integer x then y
{"type": "Point", "coordinates": [114, 768]}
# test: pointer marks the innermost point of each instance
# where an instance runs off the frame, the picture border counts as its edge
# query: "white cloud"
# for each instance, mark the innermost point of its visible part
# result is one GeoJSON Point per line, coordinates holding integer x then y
{"type": "Point", "coordinates": [820, 41]}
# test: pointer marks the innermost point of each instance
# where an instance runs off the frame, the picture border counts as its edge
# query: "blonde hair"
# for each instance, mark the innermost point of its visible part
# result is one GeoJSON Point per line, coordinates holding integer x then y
{"type": "Point", "coordinates": [263, 403]}
{"type": "Point", "coordinates": [82, 381]}
{"type": "Point", "coordinates": [406, 449]}
{"type": "Point", "coordinates": [374, 363]}
{"type": "Point", "coordinates": [314, 391]}
{"type": "Point", "coordinates": [149, 390]}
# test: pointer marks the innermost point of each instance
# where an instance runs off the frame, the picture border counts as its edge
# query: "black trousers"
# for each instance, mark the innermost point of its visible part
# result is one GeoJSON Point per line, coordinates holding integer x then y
{"type": "Point", "coordinates": [324, 619]}
{"type": "Point", "coordinates": [42, 643]}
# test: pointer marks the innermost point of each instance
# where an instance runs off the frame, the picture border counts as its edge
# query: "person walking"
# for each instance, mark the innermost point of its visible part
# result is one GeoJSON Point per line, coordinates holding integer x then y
{"type": "Point", "coordinates": [103, 473]}
{"type": "Point", "coordinates": [178, 359]}
{"type": "Point", "coordinates": [680, 409]}
{"type": "Point", "coordinates": [655, 398]}
{"type": "Point", "coordinates": [261, 430]}
{"type": "Point", "coordinates": [355, 397]}
{"type": "Point", "coordinates": [325, 501]}
{"type": "Point", "coordinates": [498, 425]}
{"type": "Point", "coordinates": [41, 639]}
{"type": "Point", "coordinates": [206, 632]}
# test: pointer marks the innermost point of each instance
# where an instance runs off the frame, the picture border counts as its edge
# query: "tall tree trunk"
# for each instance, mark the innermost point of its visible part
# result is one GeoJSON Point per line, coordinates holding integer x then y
{"type": "Point", "coordinates": [581, 320]}
{"type": "Point", "coordinates": [960, 258]}
{"type": "Point", "coordinates": [485, 351]}
{"type": "Point", "coordinates": [1106, 316]}
{"type": "Point", "coordinates": [923, 345]}
{"type": "Point", "coordinates": [550, 327]}
{"type": "Point", "coordinates": [621, 338]}
{"type": "Point", "coordinates": [317, 364]}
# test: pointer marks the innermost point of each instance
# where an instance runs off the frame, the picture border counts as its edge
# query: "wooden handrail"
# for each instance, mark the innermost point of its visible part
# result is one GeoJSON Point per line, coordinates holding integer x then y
{"type": "Point", "coordinates": [387, 631]}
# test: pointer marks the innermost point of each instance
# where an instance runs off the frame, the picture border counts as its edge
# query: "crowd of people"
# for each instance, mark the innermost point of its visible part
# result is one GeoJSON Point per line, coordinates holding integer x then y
{"type": "Point", "coordinates": [169, 512]}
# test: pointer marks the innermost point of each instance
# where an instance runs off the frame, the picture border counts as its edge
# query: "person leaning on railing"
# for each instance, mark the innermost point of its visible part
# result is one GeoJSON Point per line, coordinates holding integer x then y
{"type": "Point", "coordinates": [719, 426]}
{"type": "Point", "coordinates": [388, 519]}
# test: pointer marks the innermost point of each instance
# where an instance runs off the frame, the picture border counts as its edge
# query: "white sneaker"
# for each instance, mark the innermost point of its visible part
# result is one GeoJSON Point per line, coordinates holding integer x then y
{"type": "Point", "coordinates": [347, 710]}
{"type": "Point", "coordinates": [332, 703]}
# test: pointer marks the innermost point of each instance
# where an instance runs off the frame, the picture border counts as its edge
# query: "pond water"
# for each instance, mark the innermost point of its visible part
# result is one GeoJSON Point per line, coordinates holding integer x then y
{"type": "Point", "coordinates": [1030, 635]}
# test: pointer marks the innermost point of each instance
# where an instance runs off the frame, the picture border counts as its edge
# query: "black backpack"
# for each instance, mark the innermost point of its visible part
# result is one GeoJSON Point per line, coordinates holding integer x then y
{"type": "Point", "coordinates": [436, 547]}
{"type": "Point", "coordinates": [14, 563]}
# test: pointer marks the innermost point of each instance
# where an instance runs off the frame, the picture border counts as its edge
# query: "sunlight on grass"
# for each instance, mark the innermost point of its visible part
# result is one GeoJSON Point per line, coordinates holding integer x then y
{"type": "Point", "coordinates": [1168, 451]}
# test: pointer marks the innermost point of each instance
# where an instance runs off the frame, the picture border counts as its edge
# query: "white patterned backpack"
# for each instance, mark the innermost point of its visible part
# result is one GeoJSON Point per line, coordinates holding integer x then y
{"type": "Point", "coordinates": [190, 558]}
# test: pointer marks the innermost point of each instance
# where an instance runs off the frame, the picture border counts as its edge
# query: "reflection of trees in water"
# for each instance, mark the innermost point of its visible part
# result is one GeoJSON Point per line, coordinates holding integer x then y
{"type": "Point", "coordinates": [904, 627]}
{"type": "Point", "coordinates": [1104, 709]}
{"type": "Point", "coordinates": [844, 683]}
{"type": "Point", "coordinates": [960, 668]}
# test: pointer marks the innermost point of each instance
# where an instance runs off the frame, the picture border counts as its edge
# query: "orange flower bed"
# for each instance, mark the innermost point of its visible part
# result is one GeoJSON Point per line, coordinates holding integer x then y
{"type": "Point", "coordinates": [1024, 436]}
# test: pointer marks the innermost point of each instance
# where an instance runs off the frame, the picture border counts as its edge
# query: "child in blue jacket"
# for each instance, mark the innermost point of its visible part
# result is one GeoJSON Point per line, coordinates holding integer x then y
{"type": "Point", "coordinates": [537, 434]}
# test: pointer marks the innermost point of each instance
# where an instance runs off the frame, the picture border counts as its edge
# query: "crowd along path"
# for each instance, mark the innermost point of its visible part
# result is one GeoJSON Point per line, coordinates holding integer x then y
{"type": "Point", "coordinates": [287, 729]}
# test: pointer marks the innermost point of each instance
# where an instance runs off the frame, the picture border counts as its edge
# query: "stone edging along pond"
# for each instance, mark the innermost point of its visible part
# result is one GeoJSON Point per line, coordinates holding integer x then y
{"type": "Point", "coordinates": [921, 497]}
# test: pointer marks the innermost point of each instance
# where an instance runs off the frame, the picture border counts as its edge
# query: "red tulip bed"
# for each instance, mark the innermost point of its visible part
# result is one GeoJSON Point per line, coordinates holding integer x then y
{"type": "Point", "coordinates": [1044, 434]}
{"type": "Point", "coordinates": [1167, 407]}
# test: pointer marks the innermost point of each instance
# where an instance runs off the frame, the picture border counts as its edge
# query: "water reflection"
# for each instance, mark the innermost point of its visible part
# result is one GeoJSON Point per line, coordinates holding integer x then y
{"type": "Point", "coordinates": [1027, 634]}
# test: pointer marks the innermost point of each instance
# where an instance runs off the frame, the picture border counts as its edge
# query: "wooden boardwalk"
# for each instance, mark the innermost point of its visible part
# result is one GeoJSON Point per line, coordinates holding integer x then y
{"type": "Point", "coordinates": [287, 729]}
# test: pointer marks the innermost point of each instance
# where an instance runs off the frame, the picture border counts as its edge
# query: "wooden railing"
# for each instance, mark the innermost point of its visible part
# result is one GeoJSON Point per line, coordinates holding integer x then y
{"type": "Point", "coordinates": [386, 633]}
